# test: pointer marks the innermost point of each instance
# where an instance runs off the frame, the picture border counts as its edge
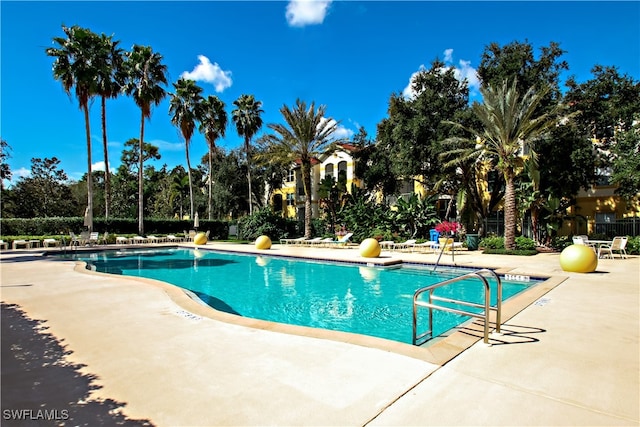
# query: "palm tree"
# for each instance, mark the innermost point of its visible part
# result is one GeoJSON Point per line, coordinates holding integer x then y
{"type": "Point", "coordinates": [510, 124]}
{"type": "Point", "coordinates": [74, 66]}
{"type": "Point", "coordinates": [213, 125]}
{"type": "Point", "coordinates": [307, 135]}
{"type": "Point", "coordinates": [186, 107]}
{"type": "Point", "coordinates": [145, 75]}
{"type": "Point", "coordinates": [110, 80]}
{"type": "Point", "coordinates": [247, 119]}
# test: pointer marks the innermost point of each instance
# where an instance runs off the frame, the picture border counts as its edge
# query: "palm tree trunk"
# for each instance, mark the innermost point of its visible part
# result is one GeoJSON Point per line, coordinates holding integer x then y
{"type": "Point", "coordinates": [509, 213]}
{"type": "Point", "coordinates": [306, 183]}
{"type": "Point", "coordinates": [140, 183]}
{"type": "Point", "coordinates": [210, 184]}
{"type": "Point", "coordinates": [87, 128]}
{"type": "Point", "coordinates": [246, 147]}
{"type": "Point", "coordinates": [186, 143]}
{"type": "Point", "coordinates": [107, 174]}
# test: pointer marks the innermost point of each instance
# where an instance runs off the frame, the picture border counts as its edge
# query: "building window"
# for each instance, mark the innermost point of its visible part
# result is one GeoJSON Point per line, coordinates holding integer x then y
{"type": "Point", "coordinates": [300, 191]}
{"type": "Point", "coordinates": [291, 175]}
{"type": "Point", "coordinates": [328, 170]}
{"type": "Point", "coordinates": [605, 217]}
{"type": "Point", "coordinates": [290, 200]}
{"type": "Point", "coordinates": [342, 167]}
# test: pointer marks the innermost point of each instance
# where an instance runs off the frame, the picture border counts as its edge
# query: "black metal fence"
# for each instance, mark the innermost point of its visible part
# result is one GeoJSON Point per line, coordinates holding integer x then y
{"type": "Point", "coordinates": [619, 227]}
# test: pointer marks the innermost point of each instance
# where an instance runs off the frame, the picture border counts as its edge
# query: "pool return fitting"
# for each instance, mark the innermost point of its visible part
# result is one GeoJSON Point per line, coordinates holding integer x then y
{"type": "Point", "coordinates": [485, 314]}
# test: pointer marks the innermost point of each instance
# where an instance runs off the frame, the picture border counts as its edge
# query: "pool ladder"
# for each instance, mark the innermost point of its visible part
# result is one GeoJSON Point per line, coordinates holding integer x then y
{"type": "Point", "coordinates": [431, 305]}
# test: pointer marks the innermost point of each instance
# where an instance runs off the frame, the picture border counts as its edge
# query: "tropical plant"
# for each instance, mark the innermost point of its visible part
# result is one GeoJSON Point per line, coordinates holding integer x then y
{"type": "Point", "coordinates": [509, 125]}
{"type": "Point", "coordinates": [186, 109]}
{"type": "Point", "coordinates": [75, 67]}
{"type": "Point", "coordinates": [110, 78]}
{"type": "Point", "coordinates": [213, 124]}
{"type": "Point", "coordinates": [416, 214]}
{"type": "Point", "coordinates": [306, 135]}
{"type": "Point", "coordinates": [246, 117]}
{"type": "Point", "coordinates": [145, 76]}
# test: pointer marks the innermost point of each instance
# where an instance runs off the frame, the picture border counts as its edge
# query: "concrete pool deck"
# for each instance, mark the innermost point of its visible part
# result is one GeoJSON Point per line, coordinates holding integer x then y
{"type": "Point", "coordinates": [155, 356]}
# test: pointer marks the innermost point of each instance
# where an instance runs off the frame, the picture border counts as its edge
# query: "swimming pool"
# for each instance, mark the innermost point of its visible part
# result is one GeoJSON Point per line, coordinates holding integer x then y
{"type": "Point", "coordinates": [375, 301]}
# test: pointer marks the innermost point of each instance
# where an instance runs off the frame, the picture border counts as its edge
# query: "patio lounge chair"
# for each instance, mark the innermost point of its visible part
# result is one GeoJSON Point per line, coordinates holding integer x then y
{"type": "Point", "coordinates": [4, 245]}
{"type": "Point", "coordinates": [121, 240]}
{"type": "Point", "coordinates": [405, 245]}
{"type": "Point", "coordinates": [155, 239]}
{"type": "Point", "coordinates": [295, 241]}
{"type": "Point", "coordinates": [139, 239]}
{"type": "Point", "coordinates": [311, 241]}
{"type": "Point", "coordinates": [425, 246]}
{"type": "Point", "coordinates": [618, 244]}
{"type": "Point", "coordinates": [50, 242]}
{"type": "Point", "coordinates": [18, 243]}
{"type": "Point", "coordinates": [341, 241]}
{"type": "Point", "coordinates": [173, 238]}
{"type": "Point", "coordinates": [93, 238]}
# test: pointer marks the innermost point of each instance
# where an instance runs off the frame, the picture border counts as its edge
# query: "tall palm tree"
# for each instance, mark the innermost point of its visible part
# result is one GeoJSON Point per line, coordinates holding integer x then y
{"type": "Point", "coordinates": [510, 124]}
{"type": "Point", "coordinates": [186, 107]}
{"type": "Point", "coordinates": [246, 117]}
{"type": "Point", "coordinates": [145, 76]}
{"type": "Point", "coordinates": [109, 62]}
{"type": "Point", "coordinates": [74, 66]}
{"type": "Point", "coordinates": [306, 135]}
{"type": "Point", "coordinates": [213, 125]}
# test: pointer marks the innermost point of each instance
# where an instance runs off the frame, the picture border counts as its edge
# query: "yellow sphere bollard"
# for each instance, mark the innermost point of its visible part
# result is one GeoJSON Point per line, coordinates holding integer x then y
{"type": "Point", "coordinates": [263, 242]}
{"type": "Point", "coordinates": [578, 259]}
{"type": "Point", "coordinates": [370, 248]}
{"type": "Point", "coordinates": [200, 239]}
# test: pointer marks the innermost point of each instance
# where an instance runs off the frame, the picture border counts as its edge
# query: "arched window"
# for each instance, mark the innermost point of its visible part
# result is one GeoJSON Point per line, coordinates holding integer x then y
{"type": "Point", "coordinates": [342, 168]}
{"type": "Point", "coordinates": [328, 170]}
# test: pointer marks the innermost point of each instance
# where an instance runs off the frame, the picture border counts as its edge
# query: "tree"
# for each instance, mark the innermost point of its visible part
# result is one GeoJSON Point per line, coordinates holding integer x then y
{"type": "Point", "coordinates": [509, 126]}
{"type": "Point", "coordinates": [5, 170]}
{"type": "Point", "coordinates": [130, 156]}
{"type": "Point", "coordinates": [306, 135]}
{"type": "Point", "coordinates": [186, 109]}
{"type": "Point", "coordinates": [246, 117]}
{"type": "Point", "coordinates": [410, 137]}
{"type": "Point", "coordinates": [626, 166]}
{"type": "Point", "coordinates": [75, 67]}
{"type": "Point", "coordinates": [109, 60]}
{"type": "Point", "coordinates": [45, 193]}
{"type": "Point", "coordinates": [213, 125]}
{"type": "Point", "coordinates": [145, 76]}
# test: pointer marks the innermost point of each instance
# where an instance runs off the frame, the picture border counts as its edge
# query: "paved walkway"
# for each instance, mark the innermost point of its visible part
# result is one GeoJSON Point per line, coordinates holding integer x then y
{"type": "Point", "coordinates": [138, 352]}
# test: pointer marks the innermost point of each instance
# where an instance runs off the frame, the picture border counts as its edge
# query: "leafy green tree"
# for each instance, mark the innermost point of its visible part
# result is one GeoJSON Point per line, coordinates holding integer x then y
{"type": "Point", "coordinates": [146, 74]}
{"type": "Point", "coordinates": [228, 185]}
{"type": "Point", "coordinates": [75, 67]}
{"type": "Point", "coordinates": [417, 214]}
{"type": "Point", "coordinates": [130, 156]}
{"type": "Point", "coordinates": [186, 109]}
{"type": "Point", "coordinates": [45, 192]}
{"type": "Point", "coordinates": [110, 78]}
{"type": "Point", "coordinates": [509, 125]}
{"type": "Point", "coordinates": [246, 117]}
{"type": "Point", "coordinates": [213, 125]}
{"type": "Point", "coordinates": [179, 189]}
{"type": "Point", "coordinates": [5, 169]}
{"type": "Point", "coordinates": [410, 137]}
{"type": "Point", "coordinates": [306, 135]}
{"type": "Point", "coordinates": [626, 166]}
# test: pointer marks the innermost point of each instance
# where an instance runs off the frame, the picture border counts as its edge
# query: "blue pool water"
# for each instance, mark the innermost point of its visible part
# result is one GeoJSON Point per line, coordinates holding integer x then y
{"type": "Point", "coordinates": [375, 301]}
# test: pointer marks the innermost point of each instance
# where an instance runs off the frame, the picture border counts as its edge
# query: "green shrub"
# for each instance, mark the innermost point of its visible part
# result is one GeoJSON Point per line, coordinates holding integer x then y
{"type": "Point", "coordinates": [492, 242]}
{"type": "Point", "coordinates": [633, 245]}
{"type": "Point", "coordinates": [522, 252]}
{"type": "Point", "coordinates": [265, 222]}
{"type": "Point", "coordinates": [525, 243]}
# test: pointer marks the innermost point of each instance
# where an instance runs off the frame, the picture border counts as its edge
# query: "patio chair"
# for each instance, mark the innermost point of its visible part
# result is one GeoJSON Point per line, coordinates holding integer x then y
{"type": "Point", "coordinates": [173, 238]}
{"type": "Point", "coordinates": [105, 239]}
{"type": "Point", "coordinates": [405, 245]}
{"type": "Point", "coordinates": [93, 238]}
{"type": "Point", "coordinates": [311, 241]}
{"type": "Point", "coordinates": [295, 241]}
{"type": "Point", "coordinates": [4, 245]}
{"type": "Point", "coordinates": [617, 244]}
{"type": "Point", "coordinates": [121, 240]}
{"type": "Point", "coordinates": [425, 246]}
{"type": "Point", "coordinates": [155, 239]}
{"type": "Point", "coordinates": [73, 239]}
{"type": "Point", "coordinates": [139, 239]}
{"type": "Point", "coordinates": [341, 241]}
{"type": "Point", "coordinates": [47, 243]}
{"type": "Point", "coordinates": [17, 243]}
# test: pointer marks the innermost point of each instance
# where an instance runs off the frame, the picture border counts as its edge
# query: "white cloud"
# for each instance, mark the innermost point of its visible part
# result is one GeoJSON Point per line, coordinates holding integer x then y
{"type": "Point", "coordinates": [408, 91]}
{"type": "Point", "coordinates": [341, 132]}
{"type": "Point", "coordinates": [306, 12]}
{"type": "Point", "coordinates": [21, 173]}
{"type": "Point", "coordinates": [211, 73]}
{"type": "Point", "coordinates": [464, 70]}
{"type": "Point", "coordinates": [167, 146]}
{"type": "Point", "coordinates": [98, 166]}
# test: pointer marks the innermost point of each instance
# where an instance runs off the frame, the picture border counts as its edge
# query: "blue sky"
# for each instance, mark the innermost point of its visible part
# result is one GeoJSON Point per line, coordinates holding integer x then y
{"type": "Point", "coordinates": [348, 55]}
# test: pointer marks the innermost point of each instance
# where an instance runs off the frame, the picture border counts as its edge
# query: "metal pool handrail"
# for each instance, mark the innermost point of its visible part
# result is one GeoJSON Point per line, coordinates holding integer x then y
{"type": "Point", "coordinates": [431, 306]}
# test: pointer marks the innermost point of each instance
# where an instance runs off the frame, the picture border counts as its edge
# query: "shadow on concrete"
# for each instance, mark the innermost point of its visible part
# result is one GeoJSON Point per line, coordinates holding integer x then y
{"type": "Point", "coordinates": [40, 387]}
